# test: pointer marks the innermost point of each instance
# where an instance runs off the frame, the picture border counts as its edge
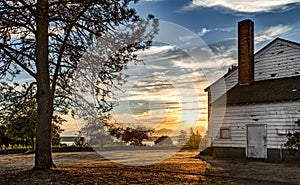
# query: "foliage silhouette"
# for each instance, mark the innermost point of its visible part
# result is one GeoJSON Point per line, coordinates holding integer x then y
{"type": "Point", "coordinates": [47, 38]}
{"type": "Point", "coordinates": [293, 143]}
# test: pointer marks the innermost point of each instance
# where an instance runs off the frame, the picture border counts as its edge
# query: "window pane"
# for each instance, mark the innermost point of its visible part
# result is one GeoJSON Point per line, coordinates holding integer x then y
{"type": "Point", "coordinates": [225, 133]}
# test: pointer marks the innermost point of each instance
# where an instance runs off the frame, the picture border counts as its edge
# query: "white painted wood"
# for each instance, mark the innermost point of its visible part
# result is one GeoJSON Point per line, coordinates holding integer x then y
{"type": "Point", "coordinates": [278, 60]}
{"type": "Point", "coordinates": [223, 85]}
{"type": "Point", "coordinates": [256, 141]}
{"type": "Point", "coordinates": [278, 117]}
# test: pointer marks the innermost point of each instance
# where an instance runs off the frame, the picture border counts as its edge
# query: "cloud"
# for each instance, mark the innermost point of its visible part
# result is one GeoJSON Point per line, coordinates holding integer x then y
{"type": "Point", "coordinates": [155, 50]}
{"type": "Point", "coordinates": [246, 6]}
{"type": "Point", "coordinates": [203, 32]}
{"type": "Point", "coordinates": [225, 53]}
{"type": "Point", "coordinates": [207, 30]}
{"type": "Point", "coordinates": [188, 7]}
{"type": "Point", "coordinates": [228, 29]}
{"type": "Point", "coordinates": [168, 85]}
{"type": "Point", "coordinates": [271, 33]}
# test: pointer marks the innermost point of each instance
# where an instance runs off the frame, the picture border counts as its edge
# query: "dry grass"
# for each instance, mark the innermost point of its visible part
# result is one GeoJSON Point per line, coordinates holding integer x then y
{"type": "Point", "coordinates": [182, 168]}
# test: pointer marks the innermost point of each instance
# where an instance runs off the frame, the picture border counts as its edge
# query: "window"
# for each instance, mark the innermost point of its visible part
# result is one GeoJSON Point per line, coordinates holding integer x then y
{"type": "Point", "coordinates": [225, 133]}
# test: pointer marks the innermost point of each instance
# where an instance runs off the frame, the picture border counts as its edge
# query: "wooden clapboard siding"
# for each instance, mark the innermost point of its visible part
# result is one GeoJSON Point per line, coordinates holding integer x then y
{"type": "Point", "coordinates": [279, 59]}
{"type": "Point", "coordinates": [223, 85]}
{"type": "Point", "coordinates": [279, 117]}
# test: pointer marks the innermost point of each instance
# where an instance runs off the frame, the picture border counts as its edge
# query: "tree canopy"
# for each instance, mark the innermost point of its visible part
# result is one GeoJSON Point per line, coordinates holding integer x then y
{"type": "Point", "coordinates": [194, 140]}
{"type": "Point", "coordinates": [132, 136]}
{"type": "Point", "coordinates": [19, 115]}
{"type": "Point", "coordinates": [164, 141]}
{"type": "Point", "coordinates": [47, 39]}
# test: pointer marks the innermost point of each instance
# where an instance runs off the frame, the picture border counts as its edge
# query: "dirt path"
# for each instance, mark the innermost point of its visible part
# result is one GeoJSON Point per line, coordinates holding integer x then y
{"type": "Point", "coordinates": [255, 172]}
{"type": "Point", "coordinates": [91, 168]}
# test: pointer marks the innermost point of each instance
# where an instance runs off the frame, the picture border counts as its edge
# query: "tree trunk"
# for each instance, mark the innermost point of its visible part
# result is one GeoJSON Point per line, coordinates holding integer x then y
{"type": "Point", "coordinates": [43, 155]}
{"type": "Point", "coordinates": [32, 143]}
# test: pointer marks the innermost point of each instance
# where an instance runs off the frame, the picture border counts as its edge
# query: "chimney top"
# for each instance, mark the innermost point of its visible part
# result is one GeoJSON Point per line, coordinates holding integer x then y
{"type": "Point", "coordinates": [246, 52]}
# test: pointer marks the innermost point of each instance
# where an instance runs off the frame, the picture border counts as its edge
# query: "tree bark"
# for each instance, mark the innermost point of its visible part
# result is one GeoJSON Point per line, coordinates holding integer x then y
{"type": "Point", "coordinates": [32, 143]}
{"type": "Point", "coordinates": [43, 155]}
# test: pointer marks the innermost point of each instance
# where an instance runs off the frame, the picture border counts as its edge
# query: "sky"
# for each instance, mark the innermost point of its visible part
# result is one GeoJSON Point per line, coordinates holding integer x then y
{"type": "Point", "coordinates": [196, 45]}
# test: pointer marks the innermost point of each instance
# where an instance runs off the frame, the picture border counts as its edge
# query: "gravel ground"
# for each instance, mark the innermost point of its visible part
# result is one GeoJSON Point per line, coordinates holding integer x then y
{"type": "Point", "coordinates": [181, 168]}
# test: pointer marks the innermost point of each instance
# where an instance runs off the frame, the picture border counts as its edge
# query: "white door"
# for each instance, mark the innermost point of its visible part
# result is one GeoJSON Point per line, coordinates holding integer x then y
{"type": "Point", "coordinates": [256, 141]}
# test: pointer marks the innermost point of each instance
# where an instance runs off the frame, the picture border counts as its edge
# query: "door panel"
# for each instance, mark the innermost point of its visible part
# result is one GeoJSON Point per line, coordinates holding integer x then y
{"type": "Point", "coordinates": [256, 141]}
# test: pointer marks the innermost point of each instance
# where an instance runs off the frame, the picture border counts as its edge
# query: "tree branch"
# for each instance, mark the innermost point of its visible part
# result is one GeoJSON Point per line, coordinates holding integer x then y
{"type": "Point", "coordinates": [31, 73]}
{"type": "Point", "coordinates": [59, 60]}
{"type": "Point", "coordinates": [34, 13]}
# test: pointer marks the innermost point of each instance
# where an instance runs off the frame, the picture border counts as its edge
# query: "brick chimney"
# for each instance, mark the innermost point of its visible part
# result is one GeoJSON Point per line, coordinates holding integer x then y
{"type": "Point", "coordinates": [246, 52]}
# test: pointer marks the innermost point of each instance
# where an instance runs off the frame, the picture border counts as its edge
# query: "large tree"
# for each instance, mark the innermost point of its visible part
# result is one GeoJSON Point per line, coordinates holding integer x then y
{"type": "Point", "coordinates": [47, 38]}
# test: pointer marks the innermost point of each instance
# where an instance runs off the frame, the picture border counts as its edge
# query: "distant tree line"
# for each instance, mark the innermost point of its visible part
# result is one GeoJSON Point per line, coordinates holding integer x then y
{"type": "Point", "coordinates": [105, 134]}
{"type": "Point", "coordinates": [163, 141]}
{"type": "Point", "coordinates": [19, 116]}
{"type": "Point", "coordinates": [190, 142]}
{"type": "Point", "coordinates": [21, 132]}
{"type": "Point", "coordinates": [131, 136]}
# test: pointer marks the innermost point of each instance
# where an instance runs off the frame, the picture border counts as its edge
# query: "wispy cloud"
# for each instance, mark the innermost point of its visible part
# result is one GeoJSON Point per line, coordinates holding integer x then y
{"type": "Point", "coordinates": [166, 89]}
{"type": "Point", "coordinates": [155, 50]}
{"type": "Point", "coordinates": [207, 30]}
{"type": "Point", "coordinates": [272, 32]}
{"type": "Point", "coordinates": [245, 6]}
{"type": "Point", "coordinates": [188, 7]}
{"type": "Point", "coordinates": [225, 53]}
{"type": "Point", "coordinates": [203, 32]}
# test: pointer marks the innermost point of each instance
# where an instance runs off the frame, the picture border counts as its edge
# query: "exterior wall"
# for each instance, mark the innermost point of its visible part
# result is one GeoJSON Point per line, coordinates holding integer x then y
{"type": "Point", "coordinates": [279, 59]}
{"type": "Point", "coordinates": [281, 155]}
{"type": "Point", "coordinates": [282, 59]}
{"type": "Point", "coordinates": [223, 85]}
{"type": "Point", "coordinates": [279, 119]}
{"type": "Point", "coordinates": [229, 153]}
{"type": "Point", "coordinates": [217, 90]}
{"type": "Point", "coordinates": [239, 153]}
{"type": "Point", "coordinates": [231, 79]}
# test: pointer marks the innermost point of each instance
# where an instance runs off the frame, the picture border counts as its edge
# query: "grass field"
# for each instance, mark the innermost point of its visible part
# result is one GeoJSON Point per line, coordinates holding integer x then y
{"type": "Point", "coordinates": [181, 168]}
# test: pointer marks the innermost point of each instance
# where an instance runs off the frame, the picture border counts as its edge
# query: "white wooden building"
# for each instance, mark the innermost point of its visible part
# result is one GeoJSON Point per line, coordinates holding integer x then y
{"type": "Point", "coordinates": [261, 101]}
